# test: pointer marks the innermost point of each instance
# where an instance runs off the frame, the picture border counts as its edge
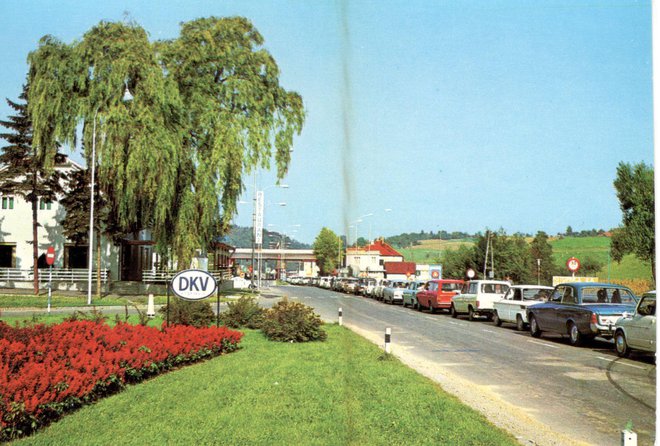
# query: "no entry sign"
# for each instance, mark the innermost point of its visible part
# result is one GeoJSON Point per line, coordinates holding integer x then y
{"type": "Point", "coordinates": [50, 255]}
{"type": "Point", "coordinates": [573, 264]}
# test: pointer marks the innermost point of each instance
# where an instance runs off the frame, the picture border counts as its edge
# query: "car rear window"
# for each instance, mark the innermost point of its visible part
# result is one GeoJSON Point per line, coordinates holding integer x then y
{"type": "Point", "coordinates": [536, 294]}
{"type": "Point", "coordinates": [605, 295]}
{"type": "Point", "coordinates": [494, 288]}
{"type": "Point", "coordinates": [451, 286]}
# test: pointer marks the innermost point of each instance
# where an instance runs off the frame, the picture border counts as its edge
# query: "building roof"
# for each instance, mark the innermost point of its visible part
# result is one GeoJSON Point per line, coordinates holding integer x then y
{"type": "Point", "coordinates": [379, 245]}
{"type": "Point", "coordinates": [400, 267]}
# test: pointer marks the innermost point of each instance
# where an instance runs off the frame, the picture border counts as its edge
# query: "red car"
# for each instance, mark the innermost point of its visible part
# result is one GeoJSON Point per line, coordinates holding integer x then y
{"type": "Point", "coordinates": [437, 294]}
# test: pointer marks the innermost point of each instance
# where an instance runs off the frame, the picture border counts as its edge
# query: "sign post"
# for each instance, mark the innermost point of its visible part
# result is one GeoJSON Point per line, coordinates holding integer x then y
{"type": "Point", "coordinates": [50, 259]}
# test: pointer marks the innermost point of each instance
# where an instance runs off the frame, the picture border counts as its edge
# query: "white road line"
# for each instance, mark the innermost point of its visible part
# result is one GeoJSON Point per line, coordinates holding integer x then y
{"type": "Point", "coordinates": [455, 323]}
{"type": "Point", "coordinates": [488, 331]}
{"type": "Point", "coordinates": [431, 318]}
{"type": "Point", "coordinates": [621, 363]}
{"type": "Point", "coordinates": [543, 344]}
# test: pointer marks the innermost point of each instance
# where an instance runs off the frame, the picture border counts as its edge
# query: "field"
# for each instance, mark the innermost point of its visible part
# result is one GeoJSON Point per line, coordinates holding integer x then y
{"type": "Point", "coordinates": [597, 248]}
{"type": "Point", "coordinates": [343, 391]}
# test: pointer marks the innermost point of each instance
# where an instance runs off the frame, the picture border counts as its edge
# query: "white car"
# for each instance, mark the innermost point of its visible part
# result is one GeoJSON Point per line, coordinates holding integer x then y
{"type": "Point", "coordinates": [477, 298]}
{"type": "Point", "coordinates": [393, 294]}
{"type": "Point", "coordinates": [378, 289]}
{"type": "Point", "coordinates": [637, 331]}
{"type": "Point", "coordinates": [514, 303]}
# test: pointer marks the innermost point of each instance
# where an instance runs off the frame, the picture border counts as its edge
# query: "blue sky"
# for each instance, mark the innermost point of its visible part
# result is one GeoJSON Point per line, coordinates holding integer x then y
{"type": "Point", "coordinates": [455, 115]}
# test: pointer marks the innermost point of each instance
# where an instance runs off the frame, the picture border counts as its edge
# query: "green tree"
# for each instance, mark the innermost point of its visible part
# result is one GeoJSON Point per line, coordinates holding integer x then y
{"type": "Point", "coordinates": [24, 173]}
{"type": "Point", "coordinates": [327, 250]}
{"type": "Point", "coordinates": [456, 262]}
{"type": "Point", "coordinates": [634, 189]}
{"type": "Point", "coordinates": [207, 108]}
{"type": "Point", "coordinates": [541, 249]}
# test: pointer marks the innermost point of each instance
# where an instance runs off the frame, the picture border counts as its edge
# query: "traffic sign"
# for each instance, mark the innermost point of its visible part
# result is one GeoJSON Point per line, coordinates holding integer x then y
{"type": "Point", "coordinates": [573, 264]}
{"type": "Point", "coordinates": [470, 273]}
{"type": "Point", "coordinates": [50, 255]}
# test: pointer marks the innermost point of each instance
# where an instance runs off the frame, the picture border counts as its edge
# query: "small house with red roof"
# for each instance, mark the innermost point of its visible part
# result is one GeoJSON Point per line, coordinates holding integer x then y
{"type": "Point", "coordinates": [369, 261]}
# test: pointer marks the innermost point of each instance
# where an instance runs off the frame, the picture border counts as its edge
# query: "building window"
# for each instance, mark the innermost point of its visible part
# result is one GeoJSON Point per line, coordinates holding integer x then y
{"type": "Point", "coordinates": [7, 202]}
{"type": "Point", "coordinates": [45, 204]}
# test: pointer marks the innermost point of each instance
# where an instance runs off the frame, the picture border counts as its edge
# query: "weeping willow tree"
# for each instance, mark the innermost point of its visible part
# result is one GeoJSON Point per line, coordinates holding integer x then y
{"type": "Point", "coordinates": [207, 109]}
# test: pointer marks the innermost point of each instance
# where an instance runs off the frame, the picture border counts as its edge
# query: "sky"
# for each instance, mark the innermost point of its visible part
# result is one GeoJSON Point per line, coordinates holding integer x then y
{"type": "Point", "coordinates": [422, 115]}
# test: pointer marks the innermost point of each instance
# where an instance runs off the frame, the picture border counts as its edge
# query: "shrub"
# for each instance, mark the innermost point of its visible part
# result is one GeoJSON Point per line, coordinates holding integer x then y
{"type": "Point", "coordinates": [292, 321]}
{"type": "Point", "coordinates": [245, 312]}
{"type": "Point", "coordinates": [196, 314]}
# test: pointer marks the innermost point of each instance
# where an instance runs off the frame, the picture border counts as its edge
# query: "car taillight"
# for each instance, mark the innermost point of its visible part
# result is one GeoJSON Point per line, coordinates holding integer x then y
{"type": "Point", "coordinates": [594, 318]}
{"type": "Point", "coordinates": [477, 304]}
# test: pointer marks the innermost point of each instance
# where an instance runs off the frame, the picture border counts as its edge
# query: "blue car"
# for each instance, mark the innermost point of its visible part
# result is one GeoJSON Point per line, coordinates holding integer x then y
{"type": "Point", "coordinates": [581, 310]}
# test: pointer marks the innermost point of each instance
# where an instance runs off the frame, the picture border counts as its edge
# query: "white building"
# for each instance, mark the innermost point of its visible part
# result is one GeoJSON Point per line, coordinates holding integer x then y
{"type": "Point", "coordinates": [131, 259]}
{"type": "Point", "coordinates": [369, 261]}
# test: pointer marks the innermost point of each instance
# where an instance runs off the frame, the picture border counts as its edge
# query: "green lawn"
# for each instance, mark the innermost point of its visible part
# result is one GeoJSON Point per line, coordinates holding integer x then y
{"type": "Point", "coordinates": [60, 300]}
{"type": "Point", "coordinates": [339, 392]}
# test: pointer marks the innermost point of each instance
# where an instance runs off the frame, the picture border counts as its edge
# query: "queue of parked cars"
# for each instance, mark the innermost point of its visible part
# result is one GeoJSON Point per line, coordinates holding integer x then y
{"type": "Point", "coordinates": [579, 310]}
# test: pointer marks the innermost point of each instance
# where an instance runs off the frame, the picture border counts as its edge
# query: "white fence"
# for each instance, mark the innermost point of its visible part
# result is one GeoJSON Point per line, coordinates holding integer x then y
{"type": "Point", "coordinates": [59, 275]}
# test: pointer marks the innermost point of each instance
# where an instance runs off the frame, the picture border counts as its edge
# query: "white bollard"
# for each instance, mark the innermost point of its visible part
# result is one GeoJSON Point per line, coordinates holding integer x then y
{"type": "Point", "coordinates": [388, 335]}
{"type": "Point", "coordinates": [151, 311]}
{"type": "Point", "coordinates": [628, 438]}
{"type": "Point", "coordinates": [341, 321]}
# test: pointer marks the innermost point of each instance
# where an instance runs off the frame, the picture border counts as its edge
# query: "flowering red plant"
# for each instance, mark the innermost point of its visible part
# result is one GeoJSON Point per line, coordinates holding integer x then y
{"type": "Point", "coordinates": [47, 370]}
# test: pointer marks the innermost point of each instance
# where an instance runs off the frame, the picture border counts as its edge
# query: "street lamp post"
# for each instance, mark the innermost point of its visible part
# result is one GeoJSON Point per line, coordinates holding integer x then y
{"type": "Point", "coordinates": [127, 97]}
{"type": "Point", "coordinates": [257, 227]}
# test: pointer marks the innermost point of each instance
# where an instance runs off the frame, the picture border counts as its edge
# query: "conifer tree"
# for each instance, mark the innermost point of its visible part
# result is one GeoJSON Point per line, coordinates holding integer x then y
{"type": "Point", "coordinates": [23, 172]}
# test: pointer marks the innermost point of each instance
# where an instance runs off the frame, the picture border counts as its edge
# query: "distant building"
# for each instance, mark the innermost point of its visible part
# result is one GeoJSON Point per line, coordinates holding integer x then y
{"type": "Point", "coordinates": [369, 261]}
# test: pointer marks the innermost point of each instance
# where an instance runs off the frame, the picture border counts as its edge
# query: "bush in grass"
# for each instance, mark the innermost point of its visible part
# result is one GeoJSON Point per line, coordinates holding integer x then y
{"type": "Point", "coordinates": [196, 314]}
{"type": "Point", "coordinates": [292, 321]}
{"type": "Point", "coordinates": [245, 312]}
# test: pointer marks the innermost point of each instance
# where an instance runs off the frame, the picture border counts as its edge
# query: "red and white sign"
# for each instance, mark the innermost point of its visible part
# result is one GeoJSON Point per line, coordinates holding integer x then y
{"type": "Point", "coordinates": [50, 256]}
{"type": "Point", "coordinates": [470, 273]}
{"type": "Point", "coordinates": [573, 264]}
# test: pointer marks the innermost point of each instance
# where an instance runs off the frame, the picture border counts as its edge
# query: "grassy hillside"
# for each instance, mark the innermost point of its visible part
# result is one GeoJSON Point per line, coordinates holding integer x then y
{"type": "Point", "coordinates": [597, 248]}
{"type": "Point", "coordinates": [430, 251]}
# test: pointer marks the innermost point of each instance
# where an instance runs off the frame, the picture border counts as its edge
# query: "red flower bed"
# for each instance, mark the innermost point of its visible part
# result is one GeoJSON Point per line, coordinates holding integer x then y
{"type": "Point", "coordinates": [47, 370]}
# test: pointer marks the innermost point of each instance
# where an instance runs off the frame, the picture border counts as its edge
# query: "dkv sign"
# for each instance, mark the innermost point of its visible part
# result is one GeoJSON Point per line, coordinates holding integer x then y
{"type": "Point", "coordinates": [193, 284]}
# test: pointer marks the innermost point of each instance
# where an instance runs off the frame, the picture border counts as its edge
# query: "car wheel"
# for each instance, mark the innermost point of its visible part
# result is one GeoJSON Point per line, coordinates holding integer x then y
{"type": "Point", "coordinates": [520, 325]}
{"type": "Point", "coordinates": [453, 312]}
{"type": "Point", "coordinates": [574, 335]}
{"type": "Point", "coordinates": [621, 345]}
{"type": "Point", "coordinates": [403, 303]}
{"type": "Point", "coordinates": [470, 314]}
{"type": "Point", "coordinates": [534, 327]}
{"type": "Point", "coordinates": [415, 305]}
{"type": "Point", "coordinates": [431, 309]}
{"type": "Point", "coordinates": [496, 319]}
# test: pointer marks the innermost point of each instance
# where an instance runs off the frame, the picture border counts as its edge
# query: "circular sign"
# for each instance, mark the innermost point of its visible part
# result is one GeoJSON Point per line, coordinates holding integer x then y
{"type": "Point", "coordinates": [470, 273]}
{"type": "Point", "coordinates": [573, 264]}
{"type": "Point", "coordinates": [193, 284]}
{"type": "Point", "coordinates": [435, 274]}
{"type": "Point", "coordinates": [50, 255]}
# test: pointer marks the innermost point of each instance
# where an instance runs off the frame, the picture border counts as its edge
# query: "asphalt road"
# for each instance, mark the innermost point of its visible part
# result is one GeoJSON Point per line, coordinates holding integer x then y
{"type": "Point", "coordinates": [584, 394]}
